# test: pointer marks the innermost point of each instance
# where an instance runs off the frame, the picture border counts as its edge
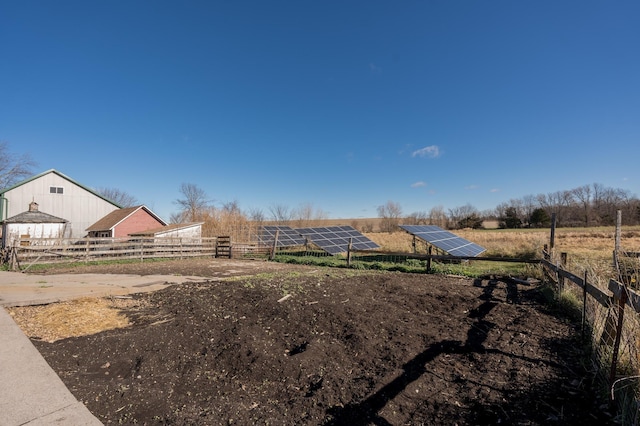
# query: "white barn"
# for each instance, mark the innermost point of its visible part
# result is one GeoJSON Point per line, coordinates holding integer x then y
{"type": "Point", "coordinates": [59, 196]}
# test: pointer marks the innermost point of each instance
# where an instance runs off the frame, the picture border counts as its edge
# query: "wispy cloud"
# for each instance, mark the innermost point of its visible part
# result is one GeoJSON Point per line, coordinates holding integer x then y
{"type": "Point", "coordinates": [494, 190]}
{"type": "Point", "coordinates": [431, 151]}
{"type": "Point", "coordinates": [418, 184]}
{"type": "Point", "coordinates": [374, 68]}
{"type": "Point", "coordinates": [471, 187]}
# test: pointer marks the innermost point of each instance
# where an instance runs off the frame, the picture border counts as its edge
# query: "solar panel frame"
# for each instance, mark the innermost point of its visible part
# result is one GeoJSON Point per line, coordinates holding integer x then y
{"type": "Point", "coordinates": [287, 236]}
{"type": "Point", "coordinates": [335, 239]}
{"type": "Point", "coordinates": [445, 240]}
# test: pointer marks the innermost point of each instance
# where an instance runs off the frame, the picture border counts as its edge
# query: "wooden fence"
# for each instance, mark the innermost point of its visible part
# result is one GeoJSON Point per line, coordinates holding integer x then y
{"type": "Point", "coordinates": [49, 250]}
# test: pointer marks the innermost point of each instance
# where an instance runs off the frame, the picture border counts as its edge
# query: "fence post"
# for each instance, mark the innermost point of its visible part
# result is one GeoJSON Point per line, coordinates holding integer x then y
{"type": "Point", "coordinates": [275, 245]}
{"type": "Point", "coordinates": [584, 304]}
{"type": "Point", "coordinates": [552, 237]}
{"type": "Point", "coordinates": [349, 252]}
{"type": "Point", "coordinates": [563, 265]}
{"type": "Point", "coordinates": [429, 259]}
{"type": "Point", "coordinates": [616, 346]}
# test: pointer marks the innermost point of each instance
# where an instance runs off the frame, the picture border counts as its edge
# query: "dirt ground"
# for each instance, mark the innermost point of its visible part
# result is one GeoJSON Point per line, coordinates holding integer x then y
{"type": "Point", "coordinates": [316, 346]}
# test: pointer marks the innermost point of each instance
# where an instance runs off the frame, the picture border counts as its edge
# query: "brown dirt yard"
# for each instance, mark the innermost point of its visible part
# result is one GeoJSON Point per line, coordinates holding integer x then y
{"type": "Point", "coordinates": [315, 346]}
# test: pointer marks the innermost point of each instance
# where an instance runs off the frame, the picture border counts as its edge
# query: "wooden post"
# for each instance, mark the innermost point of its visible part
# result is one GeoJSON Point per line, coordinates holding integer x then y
{"type": "Point", "coordinates": [349, 252]}
{"type": "Point", "coordinates": [552, 237]}
{"type": "Point", "coordinates": [616, 346]}
{"type": "Point", "coordinates": [429, 260]}
{"type": "Point", "coordinates": [414, 245]}
{"type": "Point", "coordinates": [275, 245]}
{"type": "Point", "coordinates": [563, 265]}
{"type": "Point", "coordinates": [584, 303]}
{"type": "Point", "coordinates": [618, 230]}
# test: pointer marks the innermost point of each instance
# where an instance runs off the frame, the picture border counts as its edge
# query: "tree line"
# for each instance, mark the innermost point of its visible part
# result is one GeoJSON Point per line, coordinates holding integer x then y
{"type": "Point", "coordinates": [584, 206]}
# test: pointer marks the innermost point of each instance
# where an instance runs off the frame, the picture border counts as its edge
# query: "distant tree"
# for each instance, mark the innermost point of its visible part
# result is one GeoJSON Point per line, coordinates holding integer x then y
{"type": "Point", "coordinates": [417, 218]}
{"type": "Point", "coordinates": [179, 217]}
{"type": "Point", "coordinates": [280, 213]}
{"type": "Point", "coordinates": [438, 217]}
{"type": "Point", "coordinates": [390, 213]}
{"type": "Point", "coordinates": [118, 196]}
{"type": "Point", "coordinates": [583, 195]}
{"type": "Point", "coordinates": [256, 215]}
{"type": "Point", "coordinates": [463, 215]}
{"type": "Point", "coordinates": [13, 168]}
{"type": "Point", "coordinates": [194, 202]}
{"type": "Point", "coordinates": [306, 213]}
{"type": "Point", "coordinates": [473, 221]}
{"type": "Point", "coordinates": [510, 219]}
{"type": "Point", "coordinates": [539, 218]}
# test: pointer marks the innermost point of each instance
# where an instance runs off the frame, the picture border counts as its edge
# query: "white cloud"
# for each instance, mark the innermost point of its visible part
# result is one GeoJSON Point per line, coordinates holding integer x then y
{"type": "Point", "coordinates": [472, 187]}
{"type": "Point", "coordinates": [495, 190]}
{"type": "Point", "coordinates": [431, 151]}
{"type": "Point", "coordinates": [418, 184]}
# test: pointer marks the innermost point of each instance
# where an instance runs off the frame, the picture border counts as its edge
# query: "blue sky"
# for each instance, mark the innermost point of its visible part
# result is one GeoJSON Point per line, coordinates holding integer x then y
{"type": "Point", "coordinates": [345, 105]}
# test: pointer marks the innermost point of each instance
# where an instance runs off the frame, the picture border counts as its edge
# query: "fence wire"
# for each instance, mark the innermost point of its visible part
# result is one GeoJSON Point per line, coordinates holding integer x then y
{"type": "Point", "coordinates": [617, 373]}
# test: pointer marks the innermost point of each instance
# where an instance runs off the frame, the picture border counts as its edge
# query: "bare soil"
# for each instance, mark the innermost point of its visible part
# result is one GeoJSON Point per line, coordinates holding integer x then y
{"type": "Point", "coordinates": [319, 346]}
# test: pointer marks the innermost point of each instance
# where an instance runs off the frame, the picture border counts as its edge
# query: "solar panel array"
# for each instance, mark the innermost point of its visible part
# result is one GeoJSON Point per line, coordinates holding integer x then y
{"type": "Point", "coordinates": [444, 240]}
{"type": "Point", "coordinates": [287, 237]}
{"type": "Point", "coordinates": [335, 239]}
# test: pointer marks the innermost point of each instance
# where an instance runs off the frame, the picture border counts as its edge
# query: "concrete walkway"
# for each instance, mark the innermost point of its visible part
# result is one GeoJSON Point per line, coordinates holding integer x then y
{"type": "Point", "coordinates": [31, 393]}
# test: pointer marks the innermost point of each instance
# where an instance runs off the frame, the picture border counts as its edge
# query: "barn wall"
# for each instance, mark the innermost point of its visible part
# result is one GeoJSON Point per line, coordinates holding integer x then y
{"type": "Point", "coordinates": [80, 207]}
{"type": "Point", "coordinates": [139, 221]}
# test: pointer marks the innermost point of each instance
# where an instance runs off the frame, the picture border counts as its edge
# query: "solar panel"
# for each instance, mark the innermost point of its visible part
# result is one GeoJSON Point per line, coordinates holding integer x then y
{"type": "Point", "coordinates": [335, 239]}
{"type": "Point", "coordinates": [444, 240]}
{"type": "Point", "coordinates": [287, 237]}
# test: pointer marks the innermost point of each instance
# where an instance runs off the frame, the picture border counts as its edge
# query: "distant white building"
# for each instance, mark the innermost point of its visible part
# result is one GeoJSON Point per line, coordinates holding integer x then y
{"type": "Point", "coordinates": [178, 230]}
{"type": "Point", "coordinates": [31, 224]}
{"type": "Point", "coordinates": [60, 196]}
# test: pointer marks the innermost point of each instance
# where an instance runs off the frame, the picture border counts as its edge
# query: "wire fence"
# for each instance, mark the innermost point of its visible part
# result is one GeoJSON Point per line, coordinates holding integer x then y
{"type": "Point", "coordinates": [611, 329]}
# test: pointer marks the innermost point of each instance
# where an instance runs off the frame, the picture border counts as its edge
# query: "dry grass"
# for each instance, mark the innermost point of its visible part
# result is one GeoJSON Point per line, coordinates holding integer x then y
{"type": "Point", "coordinates": [589, 243]}
{"type": "Point", "coordinates": [75, 318]}
{"type": "Point", "coordinates": [588, 249]}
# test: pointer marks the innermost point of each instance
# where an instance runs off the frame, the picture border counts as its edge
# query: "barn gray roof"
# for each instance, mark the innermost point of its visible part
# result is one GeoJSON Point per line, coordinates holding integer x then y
{"type": "Point", "coordinates": [34, 217]}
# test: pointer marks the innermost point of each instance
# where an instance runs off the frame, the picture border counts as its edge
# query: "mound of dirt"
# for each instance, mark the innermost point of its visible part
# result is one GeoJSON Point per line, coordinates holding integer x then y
{"type": "Point", "coordinates": [333, 347]}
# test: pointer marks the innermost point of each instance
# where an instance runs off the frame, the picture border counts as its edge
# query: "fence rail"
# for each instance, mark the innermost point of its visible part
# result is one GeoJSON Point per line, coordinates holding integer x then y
{"type": "Point", "coordinates": [49, 250]}
{"type": "Point", "coordinates": [614, 335]}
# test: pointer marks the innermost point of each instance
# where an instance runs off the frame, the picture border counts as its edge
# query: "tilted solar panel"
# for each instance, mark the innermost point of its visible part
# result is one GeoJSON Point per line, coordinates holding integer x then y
{"type": "Point", "coordinates": [444, 240]}
{"type": "Point", "coordinates": [287, 237]}
{"type": "Point", "coordinates": [335, 239]}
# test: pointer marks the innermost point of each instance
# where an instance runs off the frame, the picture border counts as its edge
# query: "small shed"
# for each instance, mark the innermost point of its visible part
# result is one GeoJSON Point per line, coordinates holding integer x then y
{"type": "Point", "coordinates": [124, 222]}
{"type": "Point", "coordinates": [176, 230]}
{"type": "Point", "coordinates": [32, 224]}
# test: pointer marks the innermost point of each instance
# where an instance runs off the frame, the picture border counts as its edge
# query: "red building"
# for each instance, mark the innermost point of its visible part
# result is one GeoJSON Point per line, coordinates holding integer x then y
{"type": "Point", "coordinates": [123, 222]}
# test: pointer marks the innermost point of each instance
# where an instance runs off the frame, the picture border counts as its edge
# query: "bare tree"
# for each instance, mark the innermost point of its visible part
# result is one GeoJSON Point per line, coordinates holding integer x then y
{"type": "Point", "coordinates": [459, 215]}
{"type": "Point", "coordinates": [256, 215]}
{"type": "Point", "coordinates": [583, 195]}
{"type": "Point", "coordinates": [306, 214]}
{"type": "Point", "coordinates": [417, 218]}
{"type": "Point", "coordinates": [13, 168]}
{"type": "Point", "coordinates": [438, 217]}
{"type": "Point", "coordinates": [195, 202]}
{"type": "Point", "coordinates": [390, 213]}
{"type": "Point", "coordinates": [280, 213]}
{"type": "Point", "coordinates": [118, 196]}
